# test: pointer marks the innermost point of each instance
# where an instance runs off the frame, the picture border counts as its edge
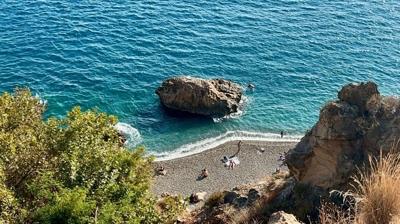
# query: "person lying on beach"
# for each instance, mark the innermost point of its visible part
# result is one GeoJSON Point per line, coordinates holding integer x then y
{"type": "Point", "coordinates": [204, 174]}
{"type": "Point", "coordinates": [233, 160]}
{"type": "Point", "coordinates": [161, 171]}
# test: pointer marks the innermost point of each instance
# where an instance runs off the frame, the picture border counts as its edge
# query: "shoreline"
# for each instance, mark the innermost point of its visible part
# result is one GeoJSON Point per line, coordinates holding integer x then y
{"type": "Point", "coordinates": [215, 142]}
{"type": "Point", "coordinates": [182, 173]}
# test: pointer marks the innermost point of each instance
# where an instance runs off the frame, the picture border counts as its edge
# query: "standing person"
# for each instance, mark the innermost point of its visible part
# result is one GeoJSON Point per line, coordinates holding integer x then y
{"type": "Point", "coordinates": [232, 164]}
{"type": "Point", "coordinates": [281, 134]}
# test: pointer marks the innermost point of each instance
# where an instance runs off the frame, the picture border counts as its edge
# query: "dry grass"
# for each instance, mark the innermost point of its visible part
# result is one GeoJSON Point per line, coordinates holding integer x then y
{"type": "Point", "coordinates": [331, 214]}
{"type": "Point", "coordinates": [378, 191]}
{"type": "Point", "coordinates": [377, 195]}
{"type": "Point", "coordinates": [252, 215]}
{"type": "Point", "coordinates": [215, 199]}
{"type": "Point", "coordinates": [256, 212]}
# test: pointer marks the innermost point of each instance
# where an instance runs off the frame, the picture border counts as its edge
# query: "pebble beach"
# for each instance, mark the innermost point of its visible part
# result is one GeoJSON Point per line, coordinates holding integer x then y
{"type": "Point", "coordinates": [258, 159]}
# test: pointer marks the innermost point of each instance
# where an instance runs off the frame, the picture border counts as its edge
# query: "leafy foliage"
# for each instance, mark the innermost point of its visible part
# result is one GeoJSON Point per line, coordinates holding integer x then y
{"type": "Point", "coordinates": [69, 170]}
{"type": "Point", "coordinates": [170, 207]}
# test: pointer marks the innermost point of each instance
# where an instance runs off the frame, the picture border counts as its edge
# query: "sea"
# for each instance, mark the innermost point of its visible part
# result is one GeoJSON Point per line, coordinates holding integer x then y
{"type": "Point", "coordinates": [112, 55]}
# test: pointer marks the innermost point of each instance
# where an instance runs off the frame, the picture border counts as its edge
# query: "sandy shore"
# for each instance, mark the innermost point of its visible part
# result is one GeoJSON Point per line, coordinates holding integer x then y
{"type": "Point", "coordinates": [182, 173]}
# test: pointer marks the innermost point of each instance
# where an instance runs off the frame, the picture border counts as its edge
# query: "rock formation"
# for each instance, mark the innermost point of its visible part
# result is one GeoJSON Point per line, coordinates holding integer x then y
{"type": "Point", "coordinates": [360, 123]}
{"type": "Point", "coordinates": [283, 218]}
{"type": "Point", "coordinates": [242, 204]}
{"type": "Point", "coordinates": [215, 97]}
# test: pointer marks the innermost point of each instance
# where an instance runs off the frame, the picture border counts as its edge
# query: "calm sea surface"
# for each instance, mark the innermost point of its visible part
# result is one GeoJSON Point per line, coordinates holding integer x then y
{"type": "Point", "coordinates": [113, 55]}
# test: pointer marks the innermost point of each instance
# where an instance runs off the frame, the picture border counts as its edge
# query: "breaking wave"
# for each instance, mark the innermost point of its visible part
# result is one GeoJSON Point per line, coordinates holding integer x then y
{"type": "Point", "coordinates": [132, 135]}
{"type": "Point", "coordinates": [209, 143]}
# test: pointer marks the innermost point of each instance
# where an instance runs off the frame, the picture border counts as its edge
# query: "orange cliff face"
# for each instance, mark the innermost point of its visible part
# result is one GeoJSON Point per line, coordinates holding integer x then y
{"type": "Point", "coordinates": [360, 123]}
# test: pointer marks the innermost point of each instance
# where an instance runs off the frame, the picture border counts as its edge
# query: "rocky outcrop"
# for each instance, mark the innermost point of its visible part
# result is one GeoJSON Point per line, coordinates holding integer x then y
{"type": "Point", "coordinates": [197, 197]}
{"type": "Point", "coordinates": [360, 123]}
{"type": "Point", "coordinates": [243, 204]}
{"type": "Point", "coordinates": [283, 218]}
{"type": "Point", "coordinates": [215, 97]}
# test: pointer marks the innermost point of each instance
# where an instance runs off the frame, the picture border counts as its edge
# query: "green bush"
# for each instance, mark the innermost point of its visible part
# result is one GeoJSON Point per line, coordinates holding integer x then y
{"type": "Point", "coordinates": [170, 207]}
{"type": "Point", "coordinates": [69, 170]}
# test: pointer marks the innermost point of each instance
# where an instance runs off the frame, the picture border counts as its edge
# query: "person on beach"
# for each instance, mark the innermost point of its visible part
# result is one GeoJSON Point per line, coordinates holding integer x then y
{"type": "Point", "coordinates": [161, 171]}
{"type": "Point", "coordinates": [282, 159]}
{"type": "Point", "coordinates": [282, 134]}
{"type": "Point", "coordinates": [232, 164]}
{"type": "Point", "coordinates": [233, 160]}
{"type": "Point", "coordinates": [193, 199]}
{"type": "Point", "coordinates": [204, 173]}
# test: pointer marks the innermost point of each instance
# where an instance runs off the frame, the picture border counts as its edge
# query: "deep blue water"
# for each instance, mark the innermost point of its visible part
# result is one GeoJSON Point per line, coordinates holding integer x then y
{"type": "Point", "coordinates": [113, 54]}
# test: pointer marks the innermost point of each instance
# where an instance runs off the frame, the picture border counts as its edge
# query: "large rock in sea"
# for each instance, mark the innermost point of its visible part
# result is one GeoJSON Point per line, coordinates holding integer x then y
{"type": "Point", "coordinates": [359, 124]}
{"type": "Point", "coordinates": [216, 97]}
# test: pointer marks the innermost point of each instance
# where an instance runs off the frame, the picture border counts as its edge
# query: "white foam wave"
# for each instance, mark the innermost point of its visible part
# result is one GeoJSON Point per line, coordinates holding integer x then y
{"type": "Point", "coordinates": [42, 101]}
{"type": "Point", "coordinates": [132, 135]}
{"type": "Point", "coordinates": [242, 104]}
{"type": "Point", "coordinates": [209, 143]}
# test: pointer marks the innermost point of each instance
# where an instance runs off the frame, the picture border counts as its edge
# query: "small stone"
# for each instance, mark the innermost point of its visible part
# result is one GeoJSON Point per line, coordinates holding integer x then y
{"type": "Point", "coordinates": [283, 218]}
{"type": "Point", "coordinates": [201, 195]}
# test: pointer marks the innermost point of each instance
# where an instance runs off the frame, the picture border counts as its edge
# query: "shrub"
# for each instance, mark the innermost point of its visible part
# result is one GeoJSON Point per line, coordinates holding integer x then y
{"type": "Point", "coordinates": [68, 206]}
{"type": "Point", "coordinates": [68, 170]}
{"type": "Point", "coordinates": [170, 207]}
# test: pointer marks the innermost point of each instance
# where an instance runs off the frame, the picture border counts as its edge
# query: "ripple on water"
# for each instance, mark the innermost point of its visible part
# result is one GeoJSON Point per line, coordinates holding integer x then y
{"type": "Point", "coordinates": [113, 55]}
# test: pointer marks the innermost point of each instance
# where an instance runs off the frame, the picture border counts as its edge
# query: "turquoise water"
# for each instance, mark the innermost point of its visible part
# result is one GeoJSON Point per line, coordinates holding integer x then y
{"type": "Point", "coordinates": [113, 55]}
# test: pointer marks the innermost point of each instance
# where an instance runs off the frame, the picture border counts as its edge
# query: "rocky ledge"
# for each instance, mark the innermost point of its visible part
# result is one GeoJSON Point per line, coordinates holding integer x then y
{"type": "Point", "coordinates": [361, 123]}
{"type": "Point", "coordinates": [216, 97]}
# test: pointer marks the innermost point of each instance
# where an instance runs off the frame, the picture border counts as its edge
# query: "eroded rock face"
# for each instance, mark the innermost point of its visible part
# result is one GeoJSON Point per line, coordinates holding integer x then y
{"type": "Point", "coordinates": [360, 123]}
{"type": "Point", "coordinates": [215, 97]}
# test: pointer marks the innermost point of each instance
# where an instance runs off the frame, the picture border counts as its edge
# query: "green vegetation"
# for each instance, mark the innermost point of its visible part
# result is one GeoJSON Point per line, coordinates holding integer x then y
{"type": "Point", "coordinates": [169, 207]}
{"type": "Point", "coordinates": [69, 170]}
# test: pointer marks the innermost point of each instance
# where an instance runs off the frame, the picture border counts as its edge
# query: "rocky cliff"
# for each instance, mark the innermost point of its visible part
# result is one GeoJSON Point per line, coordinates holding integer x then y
{"type": "Point", "coordinates": [215, 97]}
{"type": "Point", "coordinates": [360, 123]}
